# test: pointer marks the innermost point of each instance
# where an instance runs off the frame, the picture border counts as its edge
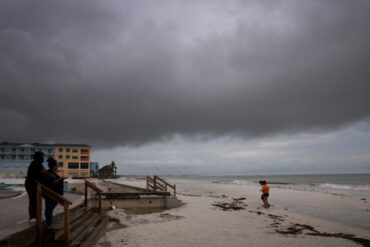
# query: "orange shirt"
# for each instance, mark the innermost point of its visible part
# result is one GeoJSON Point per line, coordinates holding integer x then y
{"type": "Point", "coordinates": [265, 188]}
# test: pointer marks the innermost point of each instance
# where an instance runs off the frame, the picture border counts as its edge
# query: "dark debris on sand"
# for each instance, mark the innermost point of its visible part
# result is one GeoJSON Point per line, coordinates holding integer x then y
{"type": "Point", "coordinates": [235, 204]}
{"type": "Point", "coordinates": [276, 217]}
{"type": "Point", "coordinates": [297, 229]}
{"type": "Point", "coordinates": [218, 196]}
{"type": "Point", "coordinates": [186, 194]}
{"type": "Point", "coordinates": [170, 216]}
{"type": "Point", "coordinates": [362, 241]}
{"type": "Point", "coordinates": [257, 212]}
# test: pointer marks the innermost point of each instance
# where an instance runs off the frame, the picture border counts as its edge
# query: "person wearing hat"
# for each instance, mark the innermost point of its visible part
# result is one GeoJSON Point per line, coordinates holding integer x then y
{"type": "Point", "coordinates": [35, 172]}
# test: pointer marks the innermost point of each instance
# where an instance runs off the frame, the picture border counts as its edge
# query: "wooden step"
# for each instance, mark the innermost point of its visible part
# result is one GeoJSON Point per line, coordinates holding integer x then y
{"type": "Point", "coordinates": [89, 237]}
{"type": "Point", "coordinates": [92, 234]}
{"type": "Point", "coordinates": [75, 226]}
{"type": "Point", "coordinates": [56, 230]}
{"type": "Point", "coordinates": [59, 216]}
{"type": "Point", "coordinates": [73, 216]}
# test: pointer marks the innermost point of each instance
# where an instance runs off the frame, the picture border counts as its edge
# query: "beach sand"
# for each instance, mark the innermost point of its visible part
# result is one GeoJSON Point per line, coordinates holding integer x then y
{"type": "Point", "coordinates": [297, 218]}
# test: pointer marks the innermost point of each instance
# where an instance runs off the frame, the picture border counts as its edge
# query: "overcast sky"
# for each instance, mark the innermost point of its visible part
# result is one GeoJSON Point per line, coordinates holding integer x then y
{"type": "Point", "coordinates": [191, 86]}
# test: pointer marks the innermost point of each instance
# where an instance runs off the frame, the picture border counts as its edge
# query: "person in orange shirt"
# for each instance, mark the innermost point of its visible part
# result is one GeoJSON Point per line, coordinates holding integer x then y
{"type": "Point", "coordinates": [265, 193]}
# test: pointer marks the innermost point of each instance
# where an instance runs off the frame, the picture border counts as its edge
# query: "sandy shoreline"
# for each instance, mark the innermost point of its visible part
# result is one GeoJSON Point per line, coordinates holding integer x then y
{"type": "Point", "coordinates": [296, 219]}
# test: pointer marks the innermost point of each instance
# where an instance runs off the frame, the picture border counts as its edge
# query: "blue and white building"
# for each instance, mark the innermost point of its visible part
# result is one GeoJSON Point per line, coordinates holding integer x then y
{"type": "Point", "coordinates": [15, 157]}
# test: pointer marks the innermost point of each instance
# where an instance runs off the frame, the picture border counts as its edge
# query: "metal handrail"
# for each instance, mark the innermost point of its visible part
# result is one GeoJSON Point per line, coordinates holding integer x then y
{"type": "Point", "coordinates": [42, 190]}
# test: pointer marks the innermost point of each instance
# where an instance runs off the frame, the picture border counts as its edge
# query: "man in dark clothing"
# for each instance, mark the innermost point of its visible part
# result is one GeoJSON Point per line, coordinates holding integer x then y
{"type": "Point", "coordinates": [35, 172]}
{"type": "Point", "coordinates": [55, 183]}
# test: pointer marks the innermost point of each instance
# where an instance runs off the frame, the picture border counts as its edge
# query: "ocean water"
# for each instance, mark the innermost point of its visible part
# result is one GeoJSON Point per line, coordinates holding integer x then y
{"type": "Point", "coordinates": [340, 184]}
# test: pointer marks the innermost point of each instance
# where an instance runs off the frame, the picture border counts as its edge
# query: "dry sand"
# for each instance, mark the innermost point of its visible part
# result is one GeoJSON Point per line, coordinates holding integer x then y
{"type": "Point", "coordinates": [199, 223]}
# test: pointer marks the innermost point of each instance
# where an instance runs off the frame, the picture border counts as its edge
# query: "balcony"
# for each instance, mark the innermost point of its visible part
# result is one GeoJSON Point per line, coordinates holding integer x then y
{"type": "Point", "coordinates": [85, 158]}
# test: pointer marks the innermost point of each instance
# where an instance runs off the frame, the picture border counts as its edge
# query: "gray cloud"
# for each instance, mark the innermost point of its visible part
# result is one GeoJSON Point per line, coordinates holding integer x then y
{"type": "Point", "coordinates": [113, 73]}
{"type": "Point", "coordinates": [340, 151]}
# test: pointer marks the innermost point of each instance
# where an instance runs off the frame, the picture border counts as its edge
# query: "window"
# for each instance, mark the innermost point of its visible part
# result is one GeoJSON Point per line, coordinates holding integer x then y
{"type": "Point", "coordinates": [14, 150]}
{"type": "Point", "coordinates": [75, 157]}
{"type": "Point", "coordinates": [21, 157]}
{"type": "Point", "coordinates": [2, 156]}
{"type": "Point", "coordinates": [84, 165]}
{"type": "Point", "coordinates": [75, 150]}
{"type": "Point", "coordinates": [13, 156]}
{"type": "Point", "coordinates": [22, 150]}
{"type": "Point", "coordinates": [60, 164]}
{"type": "Point", "coordinates": [72, 165]}
{"type": "Point", "coordinates": [68, 150]}
{"type": "Point", "coordinates": [60, 149]}
{"type": "Point", "coordinates": [50, 150]}
{"type": "Point", "coordinates": [68, 156]}
{"type": "Point", "coordinates": [60, 156]}
{"type": "Point", "coordinates": [85, 158]}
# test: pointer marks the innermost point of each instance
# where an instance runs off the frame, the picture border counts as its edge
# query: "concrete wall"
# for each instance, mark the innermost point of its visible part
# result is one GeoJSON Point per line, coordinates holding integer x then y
{"type": "Point", "coordinates": [147, 202]}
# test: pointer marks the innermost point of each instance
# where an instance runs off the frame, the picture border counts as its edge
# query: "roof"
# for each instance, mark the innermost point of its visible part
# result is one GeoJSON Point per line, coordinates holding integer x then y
{"type": "Point", "coordinates": [7, 144]}
{"type": "Point", "coordinates": [69, 145]}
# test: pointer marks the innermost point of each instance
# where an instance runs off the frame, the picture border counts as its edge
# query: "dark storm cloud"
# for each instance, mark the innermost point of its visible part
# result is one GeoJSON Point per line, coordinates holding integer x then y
{"type": "Point", "coordinates": [114, 73]}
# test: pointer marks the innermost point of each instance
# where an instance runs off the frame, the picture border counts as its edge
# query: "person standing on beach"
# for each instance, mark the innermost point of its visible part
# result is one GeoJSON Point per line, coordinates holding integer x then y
{"type": "Point", "coordinates": [35, 172]}
{"type": "Point", "coordinates": [265, 193]}
{"type": "Point", "coordinates": [55, 183]}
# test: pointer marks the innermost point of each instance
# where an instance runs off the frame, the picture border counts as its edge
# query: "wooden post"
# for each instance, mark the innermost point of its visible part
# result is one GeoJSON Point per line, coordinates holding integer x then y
{"type": "Point", "coordinates": [99, 201]}
{"type": "Point", "coordinates": [85, 193]}
{"type": "Point", "coordinates": [38, 215]}
{"type": "Point", "coordinates": [66, 225]}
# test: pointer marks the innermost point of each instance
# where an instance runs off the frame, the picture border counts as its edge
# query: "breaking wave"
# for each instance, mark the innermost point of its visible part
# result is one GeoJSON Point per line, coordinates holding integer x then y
{"type": "Point", "coordinates": [345, 187]}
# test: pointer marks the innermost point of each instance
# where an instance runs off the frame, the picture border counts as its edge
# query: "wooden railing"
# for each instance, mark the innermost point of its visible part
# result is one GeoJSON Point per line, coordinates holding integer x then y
{"type": "Point", "coordinates": [42, 190]}
{"type": "Point", "coordinates": [94, 188]}
{"type": "Point", "coordinates": [156, 183]}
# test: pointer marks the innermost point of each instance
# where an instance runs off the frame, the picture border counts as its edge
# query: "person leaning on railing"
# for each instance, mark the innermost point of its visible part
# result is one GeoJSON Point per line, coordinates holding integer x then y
{"type": "Point", "coordinates": [55, 183]}
{"type": "Point", "coordinates": [35, 172]}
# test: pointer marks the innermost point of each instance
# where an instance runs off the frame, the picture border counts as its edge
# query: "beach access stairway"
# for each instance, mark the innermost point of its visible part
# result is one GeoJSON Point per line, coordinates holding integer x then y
{"type": "Point", "coordinates": [82, 223]}
{"type": "Point", "coordinates": [85, 225]}
{"type": "Point", "coordinates": [156, 183]}
{"type": "Point", "coordinates": [80, 226]}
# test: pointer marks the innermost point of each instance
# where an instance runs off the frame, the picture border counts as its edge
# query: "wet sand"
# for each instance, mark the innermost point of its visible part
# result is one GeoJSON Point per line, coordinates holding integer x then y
{"type": "Point", "coordinates": [232, 215]}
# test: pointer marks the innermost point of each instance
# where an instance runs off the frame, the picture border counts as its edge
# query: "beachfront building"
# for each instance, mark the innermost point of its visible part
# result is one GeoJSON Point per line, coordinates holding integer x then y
{"type": "Point", "coordinates": [15, 157]}
{"type": "Point", "coordinates": [94, 169]}
{"type": "Point", "coordinates": [73, 159]}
